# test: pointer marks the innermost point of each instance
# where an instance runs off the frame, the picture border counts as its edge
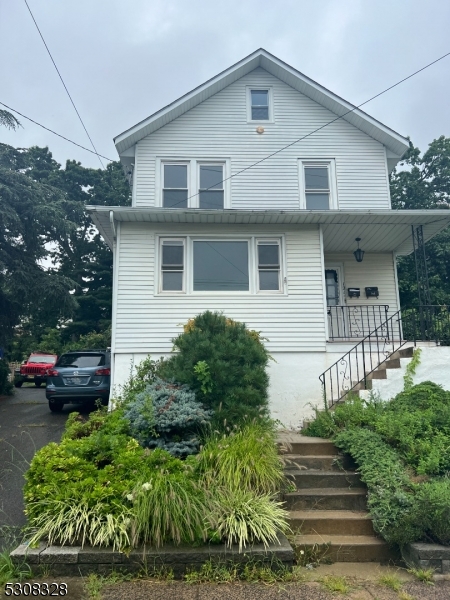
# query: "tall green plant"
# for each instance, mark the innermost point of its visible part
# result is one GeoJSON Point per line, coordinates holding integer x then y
{"type": "Point", "coordinates": [225, 364]}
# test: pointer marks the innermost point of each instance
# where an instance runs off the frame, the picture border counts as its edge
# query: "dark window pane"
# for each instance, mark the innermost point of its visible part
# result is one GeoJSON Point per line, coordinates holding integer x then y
{"type": "Point", "coordinates": [317, 201]}
{"type": "Point", "coordinates": [268, 255]}
{"type": "Point", "coordinates": [172, 255]}
{"type": "Point", "coordinates": [175, 176]}
{"type": "Point", "coordinates": [211, 199]}
{"type": "Point", "coordinates": [211, 176]}
{"type": "Point", "coordinates": [175, 198]}
{"type": "Point", "coordinates": [260, 114]}
{"type": "Point", "coordinates": [316, 178]}
{"type": "Point", "coordinates": [221, 266]}
{"type": "Point", "coordinates": [172, 282]}
{"type": "Point", "coordinates": [81, 360]}
{"type": "Point", "coordinates": [269, 280]}
{"type": "Point", "coordinates": [260, 98]}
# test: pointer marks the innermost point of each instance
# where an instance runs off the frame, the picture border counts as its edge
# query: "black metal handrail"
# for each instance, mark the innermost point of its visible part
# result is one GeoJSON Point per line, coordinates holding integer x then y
{"type": "Point", "coordinates": [426, 323]}
{"type": "Point", "coordinates": [355, 321]}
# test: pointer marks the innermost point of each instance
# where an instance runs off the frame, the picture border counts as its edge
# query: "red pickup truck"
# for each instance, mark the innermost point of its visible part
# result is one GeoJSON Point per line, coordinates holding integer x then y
{"type": "Point", "coordinates": [34, 368]}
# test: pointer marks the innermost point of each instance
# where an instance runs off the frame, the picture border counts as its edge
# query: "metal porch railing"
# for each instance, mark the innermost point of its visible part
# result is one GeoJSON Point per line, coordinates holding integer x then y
{"type": "Point", "coordinates": [427, 323]}
{"type": "Point", "coordinates": [357, 321]}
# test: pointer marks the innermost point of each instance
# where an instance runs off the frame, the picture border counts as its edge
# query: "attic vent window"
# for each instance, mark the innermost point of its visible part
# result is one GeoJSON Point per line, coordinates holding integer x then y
{"type": "Point", "coordinates": [260, 105]}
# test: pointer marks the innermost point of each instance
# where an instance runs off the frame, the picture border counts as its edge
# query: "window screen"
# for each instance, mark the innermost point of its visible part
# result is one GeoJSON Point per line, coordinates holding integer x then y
{"type": "Point", "coordinates": [260, 105]}
{"type": "Point", "coordinates": [269, 265]}
{"type": "Point", "coordinates": [221, 266]}
{"type": "Point", "coordinates": [175, 191]}
{"type": "Point", "coordinates": [211, 186]}
{"type": "Point", "coordinates": [172, 265]}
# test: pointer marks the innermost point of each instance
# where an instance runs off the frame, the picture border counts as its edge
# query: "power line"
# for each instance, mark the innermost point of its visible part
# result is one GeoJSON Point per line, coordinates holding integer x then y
{"type": "Point", "coordinates": [55, 133]}
{"type": "Point", "coordinates": [258, 162]}
{"type": "Point", "coordinates": [65, 87]}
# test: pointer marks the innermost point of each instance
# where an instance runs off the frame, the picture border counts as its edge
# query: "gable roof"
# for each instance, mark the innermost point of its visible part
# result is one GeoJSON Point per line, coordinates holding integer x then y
{"type": "Point", "coordinates": [393, 141]}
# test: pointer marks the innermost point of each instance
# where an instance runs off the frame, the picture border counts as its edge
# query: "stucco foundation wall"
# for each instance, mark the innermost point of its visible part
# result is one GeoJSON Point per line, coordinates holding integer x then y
{"type": "Point", "coordinates": [434, 366]}
{"type": "Point", "coordinates": [294, 381]}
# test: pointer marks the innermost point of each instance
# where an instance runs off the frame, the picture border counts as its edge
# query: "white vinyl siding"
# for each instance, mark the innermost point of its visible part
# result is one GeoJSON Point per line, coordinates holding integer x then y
{"type": "Point", "coordinates": [219, 128]}
{"type": "Point", "coordinates": [147, 321]}
{"type": "Point", "coordinates": [376, 270]}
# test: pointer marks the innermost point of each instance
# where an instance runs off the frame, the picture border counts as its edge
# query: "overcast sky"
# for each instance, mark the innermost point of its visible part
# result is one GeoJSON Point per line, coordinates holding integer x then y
{"type": "Point", "coordinates": [122, 61]}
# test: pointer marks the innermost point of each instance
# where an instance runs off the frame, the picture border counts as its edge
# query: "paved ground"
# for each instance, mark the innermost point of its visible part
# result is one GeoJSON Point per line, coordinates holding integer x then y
{"type": "Point", "coordinates": [26, 424]}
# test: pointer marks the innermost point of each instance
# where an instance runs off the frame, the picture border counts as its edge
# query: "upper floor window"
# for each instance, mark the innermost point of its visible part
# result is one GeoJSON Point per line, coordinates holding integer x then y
{"type": "Point", "coordinates": [260, 105]}
{"type": "Point", "coordinates": [317, 185]}
{"type": "Point", "coordinates": [194, 183]}
{"type": "Point", "coordinates": [211, 186]}
{"type": "Point", "coordinates": [175, 190]}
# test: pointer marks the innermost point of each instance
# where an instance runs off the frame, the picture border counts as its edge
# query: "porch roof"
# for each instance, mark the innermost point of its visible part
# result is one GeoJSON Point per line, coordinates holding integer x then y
{"type": "Point", "coordinates": [379, 230]}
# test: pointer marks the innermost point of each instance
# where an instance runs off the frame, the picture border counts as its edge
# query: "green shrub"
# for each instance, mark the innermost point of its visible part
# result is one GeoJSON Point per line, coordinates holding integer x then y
{"type": "Point", "coordinates": [143, 375]}
{"type": "Point", "coordinates": [6, 386]}
{"type": "Point", "coordinates": [246, 459]}
{"type": "Point", "coordinates": [391, 494]}
{"type": "Point", "coordinates": [434, 501]}
{"type": "Point", "coordinates": [225, 364]}
{"type": "Point", "coordinates": [167, 415]}
{"type": "Point", "coordinates": [242, 517]}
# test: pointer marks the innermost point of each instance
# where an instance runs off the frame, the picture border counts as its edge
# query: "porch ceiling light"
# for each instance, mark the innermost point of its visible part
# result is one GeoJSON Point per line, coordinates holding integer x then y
{"type": "Point", "coordinates": [358, 253]}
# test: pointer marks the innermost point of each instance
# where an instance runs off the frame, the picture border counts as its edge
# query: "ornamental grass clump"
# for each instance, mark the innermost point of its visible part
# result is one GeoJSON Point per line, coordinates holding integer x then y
{"type": "Point", "coordinates": [242, 517]}
{"type": "Point", "coordinates": [168, 507]}
{"type": "Point", "coordinates": [245, 459]}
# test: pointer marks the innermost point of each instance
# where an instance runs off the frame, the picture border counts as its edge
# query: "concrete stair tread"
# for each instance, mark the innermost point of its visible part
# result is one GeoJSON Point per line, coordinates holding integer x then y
{"type": "Point", "coordinates": [298, 438]}
{"type": "Point", "coordinates": [305, 456]}
{"type": "Point", "coordinates": [329, 492]}
{"type": "Point", "coordinates": [329, 514]}
{"type": "Point", "coordinates": [339, 540]}
{"type": "Point", "coordinates": [297, 471]}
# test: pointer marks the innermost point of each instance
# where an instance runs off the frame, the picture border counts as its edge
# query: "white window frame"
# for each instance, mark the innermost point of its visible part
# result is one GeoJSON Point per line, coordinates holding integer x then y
{"type": "Point", "coordinates": [322, 162]}
{"type": "Point", "coordinates": [249, 89]}
{"type": "Point", "coordinates": [159, 263]}
{"type": "Point", "coordinates": [188, 272]}
{"type": "Point", "coordinates": [193, 178]}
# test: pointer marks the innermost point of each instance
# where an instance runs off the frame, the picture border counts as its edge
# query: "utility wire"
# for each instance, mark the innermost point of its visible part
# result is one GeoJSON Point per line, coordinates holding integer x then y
{"type": "Point", "coordinates": [258, 162]}
{"type": "Point", "coordinates": [266, 157]}
{"type": "Point", "coordinates": [55, 133]}
{"type": "Point", "coordinates": [65, 87]}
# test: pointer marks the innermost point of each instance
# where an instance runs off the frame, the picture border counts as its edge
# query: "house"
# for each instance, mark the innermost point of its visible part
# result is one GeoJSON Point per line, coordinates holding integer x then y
{"type": "Point", "coordinates": [250, 195]}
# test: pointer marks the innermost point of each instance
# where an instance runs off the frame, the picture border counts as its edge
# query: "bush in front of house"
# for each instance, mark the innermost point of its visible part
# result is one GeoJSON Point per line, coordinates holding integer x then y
{"type": "Point", "coordinates": [100, 486]}
{"type": "Point", "coordinates": [225, 364]}
{"type": "Point", "coordinates": [167, 415]}
{"type": "Point", "coordinates": [402, 449]}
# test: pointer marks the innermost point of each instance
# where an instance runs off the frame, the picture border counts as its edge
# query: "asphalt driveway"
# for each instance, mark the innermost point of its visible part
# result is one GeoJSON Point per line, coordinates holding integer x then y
{"type": "Point", "coordinates": [26, 424]}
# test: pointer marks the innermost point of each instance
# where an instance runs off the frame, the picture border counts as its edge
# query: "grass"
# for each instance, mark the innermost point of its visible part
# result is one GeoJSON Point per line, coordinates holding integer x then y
{"type": "Point", "coordinates": [221, 572]}
{"type": "Point", "coordinates": [335, 584]}
{"type": "Point", "coordinates": [12, 572]}
{"type": "Point", "coordinates": [390, 581]}
{"type": "Point", "coordinates": [93, 583]}
{"type": "Point", "coordinates": [402, 595]}
{"type": "Point", "coordinates": [423, 575]}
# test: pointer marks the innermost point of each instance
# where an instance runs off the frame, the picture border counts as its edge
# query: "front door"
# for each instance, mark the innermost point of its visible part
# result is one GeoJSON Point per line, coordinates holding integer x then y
{"type": "Point", "coordinates": [335, 303]}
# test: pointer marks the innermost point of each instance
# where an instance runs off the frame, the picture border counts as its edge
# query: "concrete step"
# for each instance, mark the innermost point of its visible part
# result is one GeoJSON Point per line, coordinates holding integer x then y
{"type": "Point", "coordinates": [380, 374]}
{"type": "Point", "coordinates": [331, 522]}
{"type": "Point", "coordinates": [327, 499]}
{"type": "Point", "coordinates": [349, 548]}
{"type": "Point", "coordinates": [305, 479]}
{"type": "Point", "coordinates": [392, 363]}
{"type": "Point", "coordinates": [404, 353]}
{"type": "Point", "coordinates": [310, 446]}
{"type": "Point", "coordinates": [331, 462]}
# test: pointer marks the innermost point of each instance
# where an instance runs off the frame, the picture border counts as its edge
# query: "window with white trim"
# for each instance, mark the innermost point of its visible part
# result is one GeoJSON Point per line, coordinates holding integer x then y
{"type": "Point", "coordinates": [194, 265]}
{"type": "Point", "coordinates": [194, 183]}
{"type": "Point", "coordinates": [259, 105]}
{"type": "Point", "coordinates": [317, 185]}
{"type": "Point", "coordinates": [172, 265]}
{"type": "Point", "coordinates": [268, 265]}
{"type": "Point", "coordinates": [175, 185]}
{"type": "Point", "coordinates": [211, 192]}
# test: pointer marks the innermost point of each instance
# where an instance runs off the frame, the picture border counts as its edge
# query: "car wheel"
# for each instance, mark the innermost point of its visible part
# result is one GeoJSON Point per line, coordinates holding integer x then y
{"type": "Point", "coordinates": [18, 384]}
{"type": "Point", "coordinates": [55, 405]}
{"type": "Point", "coordinates": [38, 383]}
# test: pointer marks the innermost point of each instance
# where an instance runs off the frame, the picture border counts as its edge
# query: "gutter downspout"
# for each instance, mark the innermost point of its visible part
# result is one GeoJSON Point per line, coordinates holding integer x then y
{"type": "Point", "coordinates": [113, 308]}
